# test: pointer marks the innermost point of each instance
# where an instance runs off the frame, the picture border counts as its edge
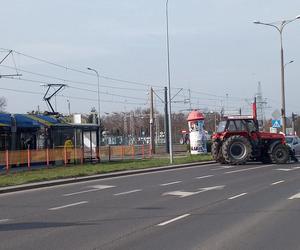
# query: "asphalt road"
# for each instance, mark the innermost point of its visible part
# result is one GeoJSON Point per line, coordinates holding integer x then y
{"type": "Point", "coordinates": [203, 207]}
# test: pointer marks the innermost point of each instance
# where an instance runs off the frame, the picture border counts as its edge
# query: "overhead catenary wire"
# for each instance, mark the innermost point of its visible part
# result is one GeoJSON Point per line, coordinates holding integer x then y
{"type": "Point", "coordinates": [71, 97]}
{"type": "Point", "coordinates": [83, 72]}
{"type": "Point", "coordinates": [70, 81]}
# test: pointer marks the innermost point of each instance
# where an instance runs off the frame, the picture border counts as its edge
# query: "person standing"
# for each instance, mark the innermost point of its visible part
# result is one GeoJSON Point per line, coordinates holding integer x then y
{"type": "Point", "coordinates": [68, 147]}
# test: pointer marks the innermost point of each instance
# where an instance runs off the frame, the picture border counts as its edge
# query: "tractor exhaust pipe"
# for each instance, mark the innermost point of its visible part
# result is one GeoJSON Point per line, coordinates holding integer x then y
{"type": "Point", "coordinates": [254, 110]}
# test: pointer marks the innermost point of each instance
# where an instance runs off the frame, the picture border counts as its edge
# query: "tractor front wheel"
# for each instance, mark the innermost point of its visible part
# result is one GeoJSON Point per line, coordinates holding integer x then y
{"type": "Point", "coordinates": [216, 152]}
{"type": "Point", "coordinates": [236, 150]}
{"type": "Point", "coordinates": [280, 154]}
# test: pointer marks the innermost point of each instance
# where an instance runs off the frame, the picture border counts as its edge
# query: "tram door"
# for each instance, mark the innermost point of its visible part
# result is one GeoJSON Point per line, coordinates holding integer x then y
{"type": "Point", "coordinates": [90, 144]}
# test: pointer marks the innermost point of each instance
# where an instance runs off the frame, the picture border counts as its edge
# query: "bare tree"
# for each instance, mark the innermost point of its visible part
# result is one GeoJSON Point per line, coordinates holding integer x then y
{"type": "Point", "coordinates": [3, 104]}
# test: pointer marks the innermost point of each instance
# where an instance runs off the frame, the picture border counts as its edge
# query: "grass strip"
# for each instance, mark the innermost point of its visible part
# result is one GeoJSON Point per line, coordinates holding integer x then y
{"type": "Point", "coordinates": [60, 172]}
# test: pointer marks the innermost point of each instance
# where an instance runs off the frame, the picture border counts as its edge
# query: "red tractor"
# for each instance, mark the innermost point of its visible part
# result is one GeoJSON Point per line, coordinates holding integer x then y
{"type": "Point", "coordinates": [239, 140]}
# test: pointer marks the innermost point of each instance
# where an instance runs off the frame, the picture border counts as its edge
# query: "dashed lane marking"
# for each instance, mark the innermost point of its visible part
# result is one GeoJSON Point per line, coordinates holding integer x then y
{"type": "Point", "coordinates": [222, 167]}
{"type": "Point", "coordinates": [287, 169]}
{"type": "Point", "coordinates": [172, 220]}
{"type": "Point", "coordinates": [170, 183]}
{"type": "Point", "coordinates": [128, 192]}
{"type": "Point", "coordinates": [4, 220]}
{"type": "Point", "coordinates": [203, 177]}
{"type": "Point", "coordinates": [277, 182]}
{"type": "Point", "coordinates": [94, 188]}
{"type": "Point", "coordinates": [236, 196]}
{"type": "Point", "coordinates": [247, 169]}
{"type": "Point", "coordinates": [296, 196]}
{"type": "Point", "coordinates": [68, 205]}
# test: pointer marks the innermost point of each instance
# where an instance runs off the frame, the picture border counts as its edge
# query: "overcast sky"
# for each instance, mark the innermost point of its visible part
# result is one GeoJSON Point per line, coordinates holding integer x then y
{"type": "Point", "coordinates": [214, 48]}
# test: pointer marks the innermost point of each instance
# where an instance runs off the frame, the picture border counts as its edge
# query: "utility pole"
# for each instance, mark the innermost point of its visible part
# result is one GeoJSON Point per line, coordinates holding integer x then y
{"type": "Point", "coordinates": [152, 141]}
{"type": "Point", "coordinates": [190, 99]}
{"type": "Point", "coordinates": [166, 122]}
{"type": "Point", "coordinates": [294, 118]}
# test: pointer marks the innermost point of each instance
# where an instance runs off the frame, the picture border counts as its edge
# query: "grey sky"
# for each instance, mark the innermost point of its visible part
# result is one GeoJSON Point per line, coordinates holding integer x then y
{"type": "Point", "coordinates": [215, 48]}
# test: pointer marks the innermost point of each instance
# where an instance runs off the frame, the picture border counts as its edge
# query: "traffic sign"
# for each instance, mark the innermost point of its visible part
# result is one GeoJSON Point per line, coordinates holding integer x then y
{"type": "Point", "coordinates": [276, 124]}
{"type": "Point", "coordinates": [276, 114]}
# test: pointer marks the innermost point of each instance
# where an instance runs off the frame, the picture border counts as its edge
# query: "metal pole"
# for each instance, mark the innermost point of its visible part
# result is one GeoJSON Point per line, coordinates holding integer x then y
{"type": "Point", "coordinates": [98, 92]}
{"type": "Point", "coordinates": [152, 141]}
{"type": "Point", "coordinates": [166, 121]}
{"type": "Point", "coordinates": [282, 83]}
{"type": "Point", "coordinates": [169, 86]}
{"type": "Point", "coordinates": [279, 28]}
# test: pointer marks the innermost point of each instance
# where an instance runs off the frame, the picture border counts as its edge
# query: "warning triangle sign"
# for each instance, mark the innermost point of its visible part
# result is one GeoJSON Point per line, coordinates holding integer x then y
{"type": "Point", "coordinates": [276, 124]}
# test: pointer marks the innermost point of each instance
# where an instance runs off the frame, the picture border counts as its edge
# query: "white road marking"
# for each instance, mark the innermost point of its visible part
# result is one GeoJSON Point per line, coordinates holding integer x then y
{"type": "Point", "coordinates": [275, 183]}
{"type": "Point", "coordinates": [205, 176]}
{"type": "Point", "coordinates": [247, 169]}
{"type": "Point", "coordinates": [172, 220]}
{"type": "Point", "coordinates": [236, 196]}
{"type": "Point", "coordinates": [287, 169]}
{"type": "Point", "coordinates": [183, 194]}
{"type": "Point", "coordinates": [296, 196]}
{"type": "Point", "coordinates": [283, 169]}
{"type": "Point", "coordinates": [179, 193]}
{"type": "Point", "coordinates": [223, 167]}
{"type": "Point", "coordinates": [69, 205]}
{"type": "Point", "coordinates": [170, 183]}
{"type": "Point", "coordinates": [129, 192]}
{"type": "Point", "coordinates": [212, 188]}
{"type": "Point", "coordinates": [4, 220]}
{"type": "Point", "coordinates": [94, 188]}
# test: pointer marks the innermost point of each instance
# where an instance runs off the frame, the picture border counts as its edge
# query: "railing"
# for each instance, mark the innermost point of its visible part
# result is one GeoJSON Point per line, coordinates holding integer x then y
{"type": "Point", "coordinates": [26, 159]}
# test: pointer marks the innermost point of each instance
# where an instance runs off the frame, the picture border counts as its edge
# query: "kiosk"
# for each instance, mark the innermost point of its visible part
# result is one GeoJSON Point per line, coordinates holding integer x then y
{"type": "Point", "coordinates": [198, 137]}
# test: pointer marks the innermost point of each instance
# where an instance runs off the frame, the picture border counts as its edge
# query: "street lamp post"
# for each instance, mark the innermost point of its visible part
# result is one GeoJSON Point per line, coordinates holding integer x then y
{"type": "Point", "coordinates": [169, 85]}
{"type": "Point", "coordinates": [279, 27]}
{"type": "Point", "coordinates": [98, 103]}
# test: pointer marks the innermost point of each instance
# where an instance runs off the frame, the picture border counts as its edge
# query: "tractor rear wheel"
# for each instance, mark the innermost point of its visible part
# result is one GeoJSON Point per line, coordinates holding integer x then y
{"type": "Point", "coordinates": [280, 154]}
{"type": "Point", "coordinates": [216, 152]}
{"type": "Point", "coordinates": [236, 150]}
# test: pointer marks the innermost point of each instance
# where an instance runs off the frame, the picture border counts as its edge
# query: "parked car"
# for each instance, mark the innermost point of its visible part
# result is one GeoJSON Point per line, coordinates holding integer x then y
{"type": "Point", "coordinates": [294, 143]}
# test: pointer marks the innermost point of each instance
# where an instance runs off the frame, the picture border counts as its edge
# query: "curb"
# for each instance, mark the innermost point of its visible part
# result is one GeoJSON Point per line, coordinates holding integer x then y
{"type": "Point", "coordinates": [97, 177]}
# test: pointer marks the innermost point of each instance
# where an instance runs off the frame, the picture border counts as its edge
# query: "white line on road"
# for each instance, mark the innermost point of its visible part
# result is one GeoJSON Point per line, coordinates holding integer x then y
{"type": "Point", "coordinates": [81, 192]}
{"type": "Point", "coordinates": [172, 220]}
{"type": "Point", "coordinates": [69, 205]}
{"type": "Point", "coordinates": [94, 188]}
{"type": "Point", "coordinates": [4, 220]}
{"type": "Point", "coordinates": [287, 169]}
{"type": "Point", "coordinates": [296, 196]}
{"type": "Point", "coordinates": [183, 194]}
{"type": "Point", "coordinates": [236, 196]}
{"type": "Point", "coordinates": [222, 167]}
{"type": "Point", "coordinates": [205, 176]}
{"type": "Point", "coordinates": [275, 183]}
{"type": "Point", "coordinates": [247, 169]}
{"type": "Point", "coordinates": [170, 183]}
{"type": "Point", "coordinates": [129, 192]}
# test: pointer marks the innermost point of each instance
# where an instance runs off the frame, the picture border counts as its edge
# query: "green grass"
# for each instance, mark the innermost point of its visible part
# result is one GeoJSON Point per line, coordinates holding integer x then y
{"type": "Point", "coordinates": [46, 174]}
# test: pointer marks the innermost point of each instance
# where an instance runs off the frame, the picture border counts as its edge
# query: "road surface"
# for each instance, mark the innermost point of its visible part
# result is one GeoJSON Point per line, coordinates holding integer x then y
{"type": "Point", "coordinates": [203, 207]}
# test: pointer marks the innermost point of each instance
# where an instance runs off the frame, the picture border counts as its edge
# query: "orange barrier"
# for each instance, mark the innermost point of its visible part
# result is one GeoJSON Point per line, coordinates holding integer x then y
{"type": "Point", "coordinates": [62, 156]}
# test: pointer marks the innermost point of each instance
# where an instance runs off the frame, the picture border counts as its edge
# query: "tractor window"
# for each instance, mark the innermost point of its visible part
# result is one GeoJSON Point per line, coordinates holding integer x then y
{"type": "Point", "coordinates": [251, 125]}
{"type": "Point", "coordinates": [231, 126]}
{"type": "Point", "coordinates": [221, 127]}
{"type": "Point", "coordinates": [240, 125]}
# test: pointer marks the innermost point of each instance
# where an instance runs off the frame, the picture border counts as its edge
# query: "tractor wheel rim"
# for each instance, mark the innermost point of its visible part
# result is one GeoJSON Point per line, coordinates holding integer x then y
{"type": "Point", "coordinates": [279, 154]}
{"type": "Point", "coordinates": [238, 150]}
